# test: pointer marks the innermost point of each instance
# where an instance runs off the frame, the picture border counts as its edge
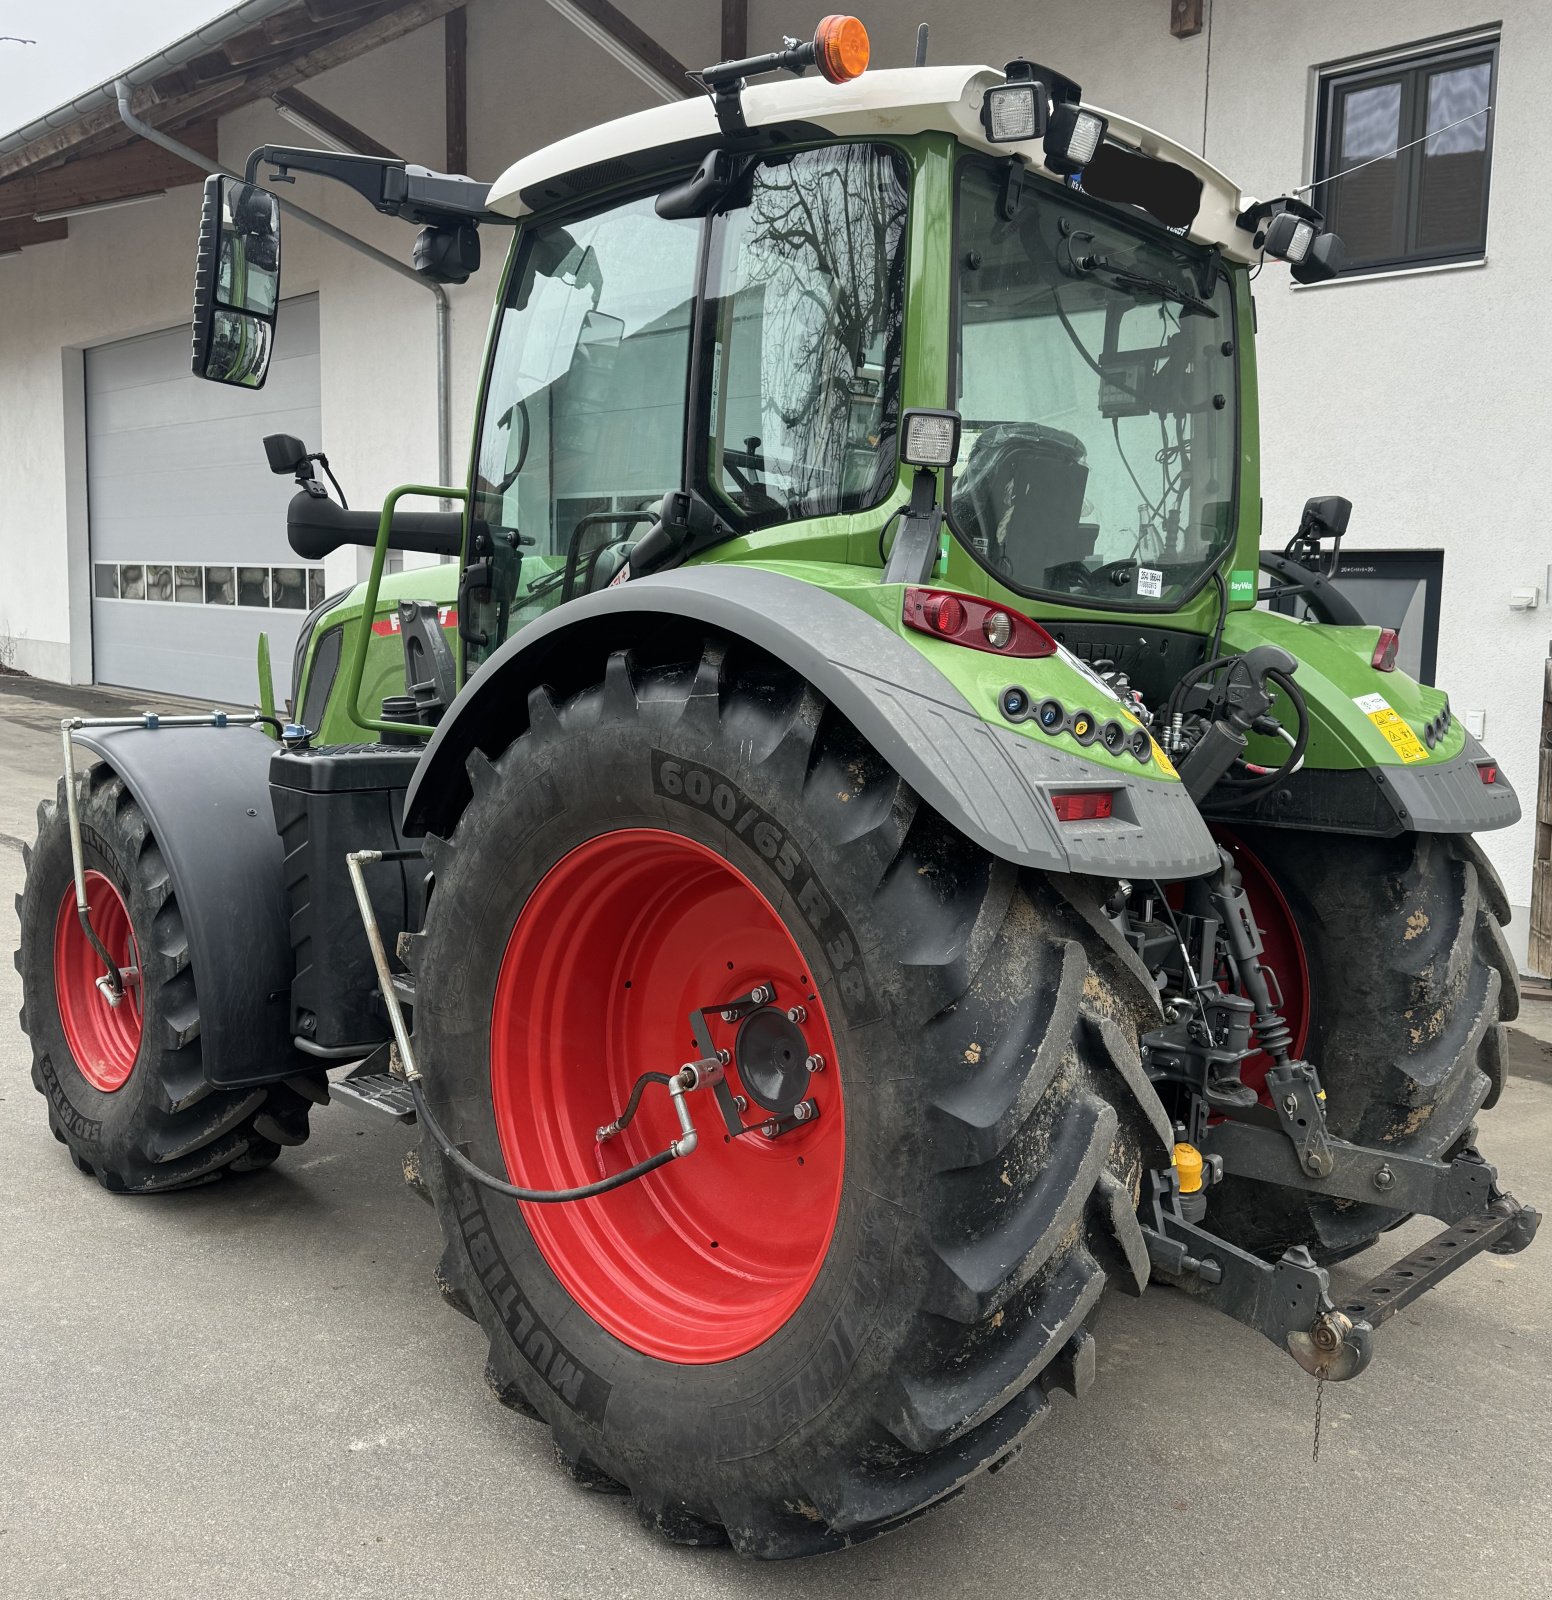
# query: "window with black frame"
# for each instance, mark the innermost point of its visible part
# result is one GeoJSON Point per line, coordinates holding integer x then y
{"type": "Point", "coordinates": [1403, 155]}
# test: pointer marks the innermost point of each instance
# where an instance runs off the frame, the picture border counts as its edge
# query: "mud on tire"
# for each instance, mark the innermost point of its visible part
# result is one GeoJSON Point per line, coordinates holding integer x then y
{"type": "Point", "coordinates": [1411, 981]}
{"type": "Point", "coordinates": [166, 1127]}
{"type": "Point", "coordinates": [997, 1122]}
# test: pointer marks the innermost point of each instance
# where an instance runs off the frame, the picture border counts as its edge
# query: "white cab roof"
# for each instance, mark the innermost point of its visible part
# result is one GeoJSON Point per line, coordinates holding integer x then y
{"type": "Point", "coordinates": [895, 101]}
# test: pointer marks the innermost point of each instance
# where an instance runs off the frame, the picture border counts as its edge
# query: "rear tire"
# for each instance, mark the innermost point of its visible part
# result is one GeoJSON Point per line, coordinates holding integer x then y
{"type": "Point", "coordinates": [140, 1115]}
{"type": "Point", "coordinates": [997, 1123]}
{"type": "Point", "coordinates": [1410, 983]}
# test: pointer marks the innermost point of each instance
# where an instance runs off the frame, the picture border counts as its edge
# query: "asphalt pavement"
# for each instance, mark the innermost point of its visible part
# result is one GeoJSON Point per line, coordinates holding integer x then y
{"type": "Point", "coordinates": [255, 1389]}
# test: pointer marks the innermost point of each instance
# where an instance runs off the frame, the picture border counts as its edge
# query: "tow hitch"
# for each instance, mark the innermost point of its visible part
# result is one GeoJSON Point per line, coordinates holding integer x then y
{"type": "Point", "coordinates": [1289, 1300]}
{"type": "Point", "coordinates": [1227, 1130]}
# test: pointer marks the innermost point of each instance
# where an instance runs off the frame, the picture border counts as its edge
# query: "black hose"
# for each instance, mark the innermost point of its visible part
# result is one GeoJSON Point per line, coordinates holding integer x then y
{"type": "Point", "coordinates": [1223, 611]}
{"type": "Point", "coordinates": [541, 1197]}
{"type": "Point", "coordinates": [1248, 788]}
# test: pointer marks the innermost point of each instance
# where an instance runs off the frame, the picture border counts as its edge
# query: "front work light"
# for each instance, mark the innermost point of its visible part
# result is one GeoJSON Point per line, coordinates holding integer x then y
{"type": "Point", "coordinates": [1017, 110]}
{"type": "Point", "coordinates": [1014, 112]}
{"type": "Point", "coordinates": [929, 439]}
{"type": "Point", "coordinates": [1072, 137]}
{"type": "Point", "coordinates": [1289, 237]}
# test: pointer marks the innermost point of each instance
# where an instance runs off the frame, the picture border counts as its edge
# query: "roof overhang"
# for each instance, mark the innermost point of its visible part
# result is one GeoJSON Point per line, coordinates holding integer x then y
{"type": "Point", "coordinates": [81, 154]}
{"type": "Point", "coordinates": [890, 103]}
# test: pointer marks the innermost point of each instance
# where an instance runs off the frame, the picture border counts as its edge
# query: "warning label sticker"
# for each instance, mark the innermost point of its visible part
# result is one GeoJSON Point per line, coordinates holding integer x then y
{"type": "Point", "coordinates": [1390, 722]}
{"type": "Point", "coordinates": [1164, 763]}
{"type": "Point", "coordinates": [1150, 582]}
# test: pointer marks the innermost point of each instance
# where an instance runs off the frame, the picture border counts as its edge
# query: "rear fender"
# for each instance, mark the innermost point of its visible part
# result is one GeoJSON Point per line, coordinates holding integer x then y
{"type": "Point", "coordinates": [205, 794]}
{"type": "Point", "coordinates": [992, 783]}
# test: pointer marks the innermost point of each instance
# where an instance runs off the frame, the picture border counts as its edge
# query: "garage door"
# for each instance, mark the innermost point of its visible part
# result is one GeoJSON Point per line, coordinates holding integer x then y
{"type": "Point", "coordinates": [188, 524]}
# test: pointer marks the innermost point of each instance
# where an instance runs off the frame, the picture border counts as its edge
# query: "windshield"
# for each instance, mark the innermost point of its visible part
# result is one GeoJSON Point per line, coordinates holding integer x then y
{"type": "Point", "coordinates": [1096, 380]}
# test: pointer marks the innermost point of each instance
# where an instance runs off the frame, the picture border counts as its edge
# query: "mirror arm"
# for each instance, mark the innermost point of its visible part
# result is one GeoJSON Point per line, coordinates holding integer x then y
{"type": "Point", "coordinates": [394, 187]}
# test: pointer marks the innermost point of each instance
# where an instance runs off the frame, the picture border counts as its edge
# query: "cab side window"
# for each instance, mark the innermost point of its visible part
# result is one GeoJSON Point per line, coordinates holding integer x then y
{"type": "Point", "coordinates": [805, 305]}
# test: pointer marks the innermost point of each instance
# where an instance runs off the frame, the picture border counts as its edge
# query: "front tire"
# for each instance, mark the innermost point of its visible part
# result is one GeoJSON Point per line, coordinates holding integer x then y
{"type": "Point", "coordinates": [126, 1088]}
{"type": "Point", "coordinates": [984, 1120]}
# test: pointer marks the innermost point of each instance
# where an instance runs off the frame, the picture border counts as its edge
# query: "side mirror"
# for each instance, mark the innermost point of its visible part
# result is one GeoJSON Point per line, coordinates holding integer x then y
{"type": "Point", "coordinates": [236, 283]}
{"type": "Point", "coordinates": [287, 454]}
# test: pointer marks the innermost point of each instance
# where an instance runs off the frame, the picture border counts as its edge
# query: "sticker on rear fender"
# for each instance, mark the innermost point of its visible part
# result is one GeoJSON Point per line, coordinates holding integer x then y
{"type": "Point", "coordinates": [1393, 725]}
{"type": "Point", "coordinates": [693, 784]}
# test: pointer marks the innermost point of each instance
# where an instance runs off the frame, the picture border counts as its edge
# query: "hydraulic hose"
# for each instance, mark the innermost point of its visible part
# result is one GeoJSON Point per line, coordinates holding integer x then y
{"type": "Point", "coordinates": [515, 1191]}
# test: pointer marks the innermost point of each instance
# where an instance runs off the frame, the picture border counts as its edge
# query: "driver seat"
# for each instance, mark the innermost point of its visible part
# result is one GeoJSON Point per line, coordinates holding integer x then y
{"type": "Point", "coordinates": [1019, 500]}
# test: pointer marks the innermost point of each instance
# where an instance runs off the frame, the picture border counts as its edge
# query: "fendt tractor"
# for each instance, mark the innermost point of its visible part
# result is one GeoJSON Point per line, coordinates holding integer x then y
{"type": "Point", "coordinates": [854, 853]}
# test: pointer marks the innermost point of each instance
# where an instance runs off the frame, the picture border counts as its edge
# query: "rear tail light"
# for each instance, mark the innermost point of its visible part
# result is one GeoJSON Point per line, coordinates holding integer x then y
{"type": "Point", "coordinates": [1487, 771]}
{"type": "Point", "coordinates": [1385, 648]}
{"type": "Point", "coordinates": [979, 624]}
{"type": "Point", "coordinates": [1083, 805]}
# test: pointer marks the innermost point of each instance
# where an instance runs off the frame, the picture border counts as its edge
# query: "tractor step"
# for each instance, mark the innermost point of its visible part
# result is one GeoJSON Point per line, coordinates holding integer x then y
{"type": "Point", "coordinates": [378, 1091]}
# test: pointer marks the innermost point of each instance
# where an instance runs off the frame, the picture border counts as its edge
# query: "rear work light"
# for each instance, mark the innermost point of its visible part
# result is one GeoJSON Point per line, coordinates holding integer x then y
{"type": "Point", "coordinates": [980, 624]}
{"type": "Point", "coordinates": [1385, 648]}
{"type": "Point", "coordinates": [1083, 805]}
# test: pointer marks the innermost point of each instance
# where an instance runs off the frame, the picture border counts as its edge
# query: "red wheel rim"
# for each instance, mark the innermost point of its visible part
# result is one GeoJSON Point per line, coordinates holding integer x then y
{"type": "Point", "coordinates": [1283, 952]}
{"type": "Point", "coordinates": [104, 1039]}
{"type": "Point", "coordinates": [625, 936]}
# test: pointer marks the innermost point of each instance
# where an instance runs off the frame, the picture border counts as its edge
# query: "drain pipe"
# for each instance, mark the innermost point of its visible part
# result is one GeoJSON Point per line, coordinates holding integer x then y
{"type": "Point", "coordinates": [350, 241]}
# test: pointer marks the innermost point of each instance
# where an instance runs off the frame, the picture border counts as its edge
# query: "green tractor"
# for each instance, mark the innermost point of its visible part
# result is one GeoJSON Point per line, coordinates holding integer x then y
{"type": "Point", "coordinates": [836, 862]}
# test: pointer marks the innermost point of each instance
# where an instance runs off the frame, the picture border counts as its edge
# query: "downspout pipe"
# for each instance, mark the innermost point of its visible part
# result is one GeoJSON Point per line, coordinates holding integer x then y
{"type": "Point", "coordinates": [351, 242]}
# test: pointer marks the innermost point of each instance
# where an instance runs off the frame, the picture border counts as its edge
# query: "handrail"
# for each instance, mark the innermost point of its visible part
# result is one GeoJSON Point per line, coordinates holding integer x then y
{"type": "Point", "coordinates": [357, 668]}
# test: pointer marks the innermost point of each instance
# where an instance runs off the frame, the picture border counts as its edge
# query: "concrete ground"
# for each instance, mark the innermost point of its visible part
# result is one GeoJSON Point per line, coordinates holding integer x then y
{"type": "Point", "coordinates": [255, 1389]}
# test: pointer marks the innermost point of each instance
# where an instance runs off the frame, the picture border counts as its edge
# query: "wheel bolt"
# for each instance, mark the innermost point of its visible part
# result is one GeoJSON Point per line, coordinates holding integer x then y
{"type": "Point", "coordinates": [724, 1056]}
{"type": "Point", "coordinates": [804, 1110]}
{"type": "Point", "coordinates": [730, 1016]}
{"type": "Point", "coordinates": [762, 994]}
{"type": "Point", "coordinates": [815, 1063]}
{"type": "Point", "coordinates": [797, 1014]}
{"type": "Point", "coordinates": [740, 1102]}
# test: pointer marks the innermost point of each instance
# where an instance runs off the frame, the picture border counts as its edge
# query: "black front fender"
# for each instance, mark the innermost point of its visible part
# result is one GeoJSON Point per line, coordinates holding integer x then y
{"type": "Point", "coordinates": [205, 794]}
{"type": "Point", "coordinates": [990, 782]}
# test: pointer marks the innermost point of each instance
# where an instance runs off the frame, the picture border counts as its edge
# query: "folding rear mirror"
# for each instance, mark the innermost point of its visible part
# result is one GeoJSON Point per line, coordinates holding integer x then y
{"type": "Point", "coordinates": [236, 282]}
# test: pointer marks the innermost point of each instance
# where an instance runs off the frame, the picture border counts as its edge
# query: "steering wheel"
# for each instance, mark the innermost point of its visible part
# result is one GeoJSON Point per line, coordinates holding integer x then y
{"type": "Point", "coordinates": [1078, 578]}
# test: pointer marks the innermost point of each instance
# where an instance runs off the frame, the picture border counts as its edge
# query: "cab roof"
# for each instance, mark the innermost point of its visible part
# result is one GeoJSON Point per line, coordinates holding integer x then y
{"type": "Point", "coordinates": [889, 103]}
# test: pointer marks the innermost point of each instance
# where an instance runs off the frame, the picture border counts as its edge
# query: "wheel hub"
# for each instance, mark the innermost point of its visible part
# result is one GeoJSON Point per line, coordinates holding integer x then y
{"type": "Point", "coordinates": [772, 1056]}
{"type": "Point", "coordinates": [640, 950]}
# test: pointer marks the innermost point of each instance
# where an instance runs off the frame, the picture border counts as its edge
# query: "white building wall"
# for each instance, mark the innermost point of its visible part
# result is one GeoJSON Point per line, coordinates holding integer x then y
{"type": "Point", "coordinates": [1416, 396]}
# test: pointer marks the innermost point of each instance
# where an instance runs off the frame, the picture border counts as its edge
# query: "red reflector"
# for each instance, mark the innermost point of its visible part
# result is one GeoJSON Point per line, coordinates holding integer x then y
{"type": "Point", "coordinates": [1083, 805]}
{"type": "Point", "coordinates": [1385, 648]}
{"type": "Point", "coordinates": [980, 624]}
{"type": "Point", "coordinates": [1487, 771]}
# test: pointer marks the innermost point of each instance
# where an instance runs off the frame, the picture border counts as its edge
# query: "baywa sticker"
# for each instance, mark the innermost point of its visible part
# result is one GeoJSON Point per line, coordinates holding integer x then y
{"type": "Point", "coordinates": [1393, 725]}
{"type": "Point", "coordinates": [707, 790]}
{"type": "Point", "coordinates": [1242, 584]}
{"type": "Point", "coordinates": [1150, 582]}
